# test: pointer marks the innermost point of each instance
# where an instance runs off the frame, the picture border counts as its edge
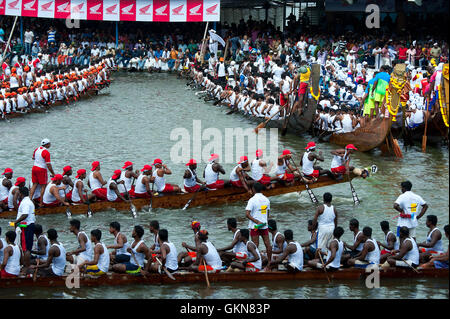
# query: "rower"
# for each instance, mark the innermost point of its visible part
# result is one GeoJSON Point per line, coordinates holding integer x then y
{"type": "Point", "coordinates": [390, 242]}
{"type": "Point", "coordinates": [433, 245]}
{"type": "Point", "coordinates": [138, 250]}
{"type": "Point", "coordinates": [52, 197]}
{"type": "Point", "coordinates": [408, 204]}
{"type": "Point", "coordinates": [188, 257]}
{"type": "Point", "coordinates": [84, 251]}
{"type": "Point", "coordinates": [239, 249]}
{"type": "Point", "coordinates": [12, 258]}
{"type": "Point", "coordinates": [168, 254]}
{"type": "Point", "coordinates": [238, 176]}
{"type": "Point", "coordinates": [191, 181]}
{"type": "Point", "coordinates": [120, 253]}
{"type": "Point", "coordinates": [310, 247]}
{"type": "Point", "coordinates": [5, 186]}
{"type": "Point", "coordinates": [127, 175]}
{"type": "Point", "coordinates": [3, 245]}
{"type": "Point", "coordinates": [41, 157]}
{"type": "Point", "coordinates": [41, 252]}
{"type": "Point", "coordinates": [77, 196]}
{"type": "Point", "coordinates": [14, 194]}
{"type": "Point", "coordinates": [155, 248]}
{"type": "Point", "coordinates": [370, 254]}
{"type": "Point", "coordinates": [67, 183]}
{"type": "Point", "coordinates": [55, 264]}
{"type": "Point", "coordinates": [408, 255]}
{"type": "Point", "coordinates": [112, 188]}
{"type": "Point", "coordinates": [326, 219]}
{"type": "Point", "coordinates": [279, 242]}
{"type": "Point", "coordinates": [211, 173]}
{"type": "Point", "coordinates": [311, 172]}
{"type": "Point", "coordinates": [96, 182]}
{"type": "Point", "coordinates": [142, 189]}
{"type": "Point", "coordinates": [260, 170]}
{"type": "Point", "coordinates": [334, 253]}
{"type": "Point", "coordinates": [292, 251]}
{"type": "Point", "coordinates": [207, 252]}
{"type": "Point", "coordinates": [26, 218]}
{"type": "Point", "coordinates": [441, 261]}
{"type": "Point", "coordinates": [283, 165]}
{"type": "Point", "coordinates": [253, 261]}
{"type": "Point", "coordinates": [100, 263]}
{"type": "Point", "coordinates": [340, 163]}
{"type": "Point", "coordinates": [159, 180]}
{"type": "Point", "coordinates": [257, 212]}
{"type": "Point", "coordinates": [358, 241]}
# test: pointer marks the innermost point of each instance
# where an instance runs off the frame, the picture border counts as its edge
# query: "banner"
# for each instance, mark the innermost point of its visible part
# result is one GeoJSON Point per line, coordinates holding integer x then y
{"type": "Point", "coordinates": [358, 5]}
{"type": "Point", "coordinates": [115, 10]}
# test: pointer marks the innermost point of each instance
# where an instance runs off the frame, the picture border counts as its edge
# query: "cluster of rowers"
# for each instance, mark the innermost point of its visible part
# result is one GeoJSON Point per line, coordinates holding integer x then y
{"type": "Point", "coordinates": [62, 190]}
{"type": "Point", "coordinates": [21, 93]}
{"type": "Point", "coordinates": [49, 257]}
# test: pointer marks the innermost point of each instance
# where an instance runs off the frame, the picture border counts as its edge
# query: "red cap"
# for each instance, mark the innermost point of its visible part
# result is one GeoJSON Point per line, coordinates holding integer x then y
{"type": "Point", "coordinates": [127, 164]}
{"type": "Point", "coordinates": [117, 173]}
{"type": "Point", "coordinates": [157, 161]}
{"type": "Point", "coordinates": [7, 170]}
{"type": "Point", "coordinates": [58, 177]}
{"type": "Point", "coordinates": [66, 169]}
{"type": "Point", "coordinates": [95, 165]}
{"type": "Point", "coordinates": [286, 152]}
{"type": "Point", "coordinates": [259, 152]}
{"type": "Point", "coordinates": [146, 168]}
{"type": "Point", "coordinates": [213, 157]}
{"type": "Point", "coordinates": [19, 180]}
{"type": "Point", "coordinates": [243, 159]}
{"type": "Point", "coordinates": [191, 162]}
{"type": "Point", "coordinates": [310, 145]}
{"type": "Point", "coordinates": [80, 172]}
{"type": "Point", "coordinates": [195, 225]}
{"type": "Point", "coordinates": [351, 147]}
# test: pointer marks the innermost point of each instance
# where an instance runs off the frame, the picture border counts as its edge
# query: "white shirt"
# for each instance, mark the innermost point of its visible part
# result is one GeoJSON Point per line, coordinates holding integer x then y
{"type": "Point", "coordinates": [259, 207]}
{"type": "Point", "coordinates": [26, 207]}
{"type": "Point", "coordinates": [409, 203]}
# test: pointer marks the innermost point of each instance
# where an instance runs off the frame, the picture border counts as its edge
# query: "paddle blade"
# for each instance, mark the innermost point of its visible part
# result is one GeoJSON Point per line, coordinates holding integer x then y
{"type": "Point", "coordinates": [424, 143]}
{"type": "Point", "coordinates": [133, 210]}
{"type": "Point", "coordinates": [260, 126]}
{"type": "Point", "coordinates": [89, 213]}
{"type": "Point", "coordinates": [68, 212]}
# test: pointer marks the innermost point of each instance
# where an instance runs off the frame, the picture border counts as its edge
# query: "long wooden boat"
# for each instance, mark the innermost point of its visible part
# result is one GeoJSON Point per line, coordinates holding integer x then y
{"type": "Point", "coordinates": [113, 279]}
{"type": "Point", "coordinates": [177, 201]}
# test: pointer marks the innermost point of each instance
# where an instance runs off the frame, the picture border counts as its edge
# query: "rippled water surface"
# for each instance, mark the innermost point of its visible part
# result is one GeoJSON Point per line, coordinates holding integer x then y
{"type": "Point", "coordinates": [133, 119]}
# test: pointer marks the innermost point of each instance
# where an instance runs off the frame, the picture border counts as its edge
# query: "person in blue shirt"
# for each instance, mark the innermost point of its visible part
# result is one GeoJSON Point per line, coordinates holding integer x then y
{"type": "Point", "coordinates": [381, 81]}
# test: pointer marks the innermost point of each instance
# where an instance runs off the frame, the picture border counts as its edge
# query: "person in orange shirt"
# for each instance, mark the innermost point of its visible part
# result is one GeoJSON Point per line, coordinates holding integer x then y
{"type": "Point", "coordinates": [173, 57]}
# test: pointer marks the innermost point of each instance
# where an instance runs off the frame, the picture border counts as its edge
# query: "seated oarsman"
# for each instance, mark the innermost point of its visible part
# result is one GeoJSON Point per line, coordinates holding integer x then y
{"type": "Point", "coordinates": [239, 177]}
{"type": "Point", "coordinates": [79, 194]}
{"type": "Point", "coordinates": [310, 246]}
{"type": "Point", "coordinates": [191, 182]}
{"type": "Point", "coordinates": [358, 241]}
{"type": "Point", "coordinates": [112, 189]}
{"type": "Point", "coordinates": [52, 197]}
{"type": "Point", "coordinates": [253, 261]}
{"type": "Point", "coordinates": [96, 182]}
{"type": "Point", "coordinates": [159, 180]}
{"type": "Point", "coordinates": [285, 172]}
{"type": "Point", "coordinates": [309, 171]}
{"type": "Point", "coordinates": [120, 253]}
{"type": "Point", "coordinates": [211, 173]}
{"type": "Point", "coordinates": [3, 245]}
{"type": "Point", "coordinates": [155, 248]}
{"type": "Point", "coordinates": [260, 170]}
{"type": "Point", "coordinates": [186, 258]}
{"type": "Point", "coordinates": [440, 261]}
{"type": "Point", "coordinates": [408, 253]}
{"type": "Point", "coordinates": [168, 257]}
{"type": "Point", "coordinates": [142, 189]}
{"type": "Point", "coordinates": [139, 252]}
{"type": "Point", "coordinates": [335, 250]}
{"type": "Point", "coordinates": [340, 164]}
{"type": "Point", "coordinates": [390, 242]}
{"type": "Point", "coordinates": [433, 245]}
{"type": "Point", "coordinates": [67, 183]}
{"type": "Point", "coordinates": [292, 251]}
{"type": "Point", "coordinates": [84, 251]}
{"type": "Point", "coordinates": [40, 252]}
{"type": "Point", "coordinates": [5, 186]}
{"type": "Point", "coordinates": [12, 257]}
{"type": "Point", "coordinates": [14, 194]}
{"type": "Point", "coordinates": [370, 254]}
{"type": "Point", "coordinates": [127, 175]}
{"type": "Point", "coordinates": [208, 253]}
{"type": "Point", "coordinates": [239, 249]}
{"type": "Point", "coordinates": [55, 263]}
{"type": "Point", "coordinates": [100, 263]}
{"type": "Point", "coordinates": [278, 240]}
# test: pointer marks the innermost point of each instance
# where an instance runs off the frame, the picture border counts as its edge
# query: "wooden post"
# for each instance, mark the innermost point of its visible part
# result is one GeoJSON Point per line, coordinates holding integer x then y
{"type": "Point", "coordinates": [10, 36]}
{"type": "Point", "coordinates": [202, 55]}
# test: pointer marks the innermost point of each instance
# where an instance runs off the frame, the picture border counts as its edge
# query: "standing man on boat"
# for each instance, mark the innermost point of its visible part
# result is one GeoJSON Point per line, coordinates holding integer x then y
{"type": "Point", "coordinates": [96, 182]}
{"type": "Point", "coordinates": [408, 204]}
{"type": "Point", "coordinates": [326, 219]}
{"type": "Point", "coordinates": [257, 212]}
{"type": "Point", "coordinates": [55, 264]}
{"type": "Point", "coordinates": [42, 162]}
{"type": "Point", "coordinates": [381, 81]}
{"type": "Point", "coordinates": [191, 181]}
{"type": "Point", "coordinates": [159, 179]}
{"type": "Point", "coordinates": [142, 189]}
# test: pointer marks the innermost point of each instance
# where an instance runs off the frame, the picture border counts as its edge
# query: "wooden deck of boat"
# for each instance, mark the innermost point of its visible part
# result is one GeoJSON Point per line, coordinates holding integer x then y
{"type": "Point", "coordinates": [177, 201]}
{"type": "Point", "coordinates": [113, 279]}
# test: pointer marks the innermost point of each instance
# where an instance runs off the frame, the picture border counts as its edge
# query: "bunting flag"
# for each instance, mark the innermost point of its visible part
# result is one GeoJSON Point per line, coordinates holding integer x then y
{"type": "Point", "coordinates": [115, 10]}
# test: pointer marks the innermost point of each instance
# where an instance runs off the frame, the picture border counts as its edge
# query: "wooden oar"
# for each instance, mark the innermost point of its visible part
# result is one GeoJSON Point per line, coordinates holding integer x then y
{"type": "Point", "coordinates": [68, 212]}
{"type": "Point", "coordinates": [356, 200]}
{"type": "Point", "coordinates": [192, 198]}
{"type": "Point", "coordinates": [206, 273]}
{"type": "Point", "coordinates": [35, 272]}
{"type": "Point", "coordinates": [418, 272]}
{"type": "Point", "coordinates": [263, 124]}
{"type": "Point", "coordinates": [135, 260]}
{"type": "Point", "coordinates": [132, 207]}
{"type": "Point", "coordinates": [165, 269]}
{"type": "Point", "coordinates": [89, 212]}
{"type": "Point", "coordinates": [151, 198]}
{"type": "Point", "coordinates": [312, 197]}
{"type": "Point", "coordinates": [324, 268]}
{"type": "Point", "coordinates": [424, 137]}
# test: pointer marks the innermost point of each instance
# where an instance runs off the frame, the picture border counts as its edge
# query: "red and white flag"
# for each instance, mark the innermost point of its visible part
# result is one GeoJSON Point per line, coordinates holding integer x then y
{"type": "Point", "coordinates": [30, 8]}
{"type": "Point", "coordinates": [95, 10]}
{"type": "Point", "coordinates": [127, 10]}
{"type": "Point", "coordinates": [144, 10]}
{"type": "Point", "coordinates": [62, 9]}
{"type": "Point", "coordinates": [78, 9]}
{"type": "Point", "coordinates": [161, 10]}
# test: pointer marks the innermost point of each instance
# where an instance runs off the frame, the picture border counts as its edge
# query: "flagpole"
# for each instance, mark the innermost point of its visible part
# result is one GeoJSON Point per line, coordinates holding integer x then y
{"type": "Point", "coordinates": [10, 36]}
{"type": "Point", "coordinates": [202, 55]}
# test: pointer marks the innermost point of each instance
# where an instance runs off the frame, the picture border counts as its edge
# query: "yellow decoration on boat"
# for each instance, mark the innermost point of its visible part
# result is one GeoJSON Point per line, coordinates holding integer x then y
{"type": "Point", "coordinates": [316, 97]}
{"type": "Point", "coordinates": [441, 105]}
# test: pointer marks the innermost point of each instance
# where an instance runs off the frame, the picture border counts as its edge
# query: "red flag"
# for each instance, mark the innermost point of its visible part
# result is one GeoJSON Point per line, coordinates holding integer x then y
{"type": "Point", "coordinates": [127, 10]}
